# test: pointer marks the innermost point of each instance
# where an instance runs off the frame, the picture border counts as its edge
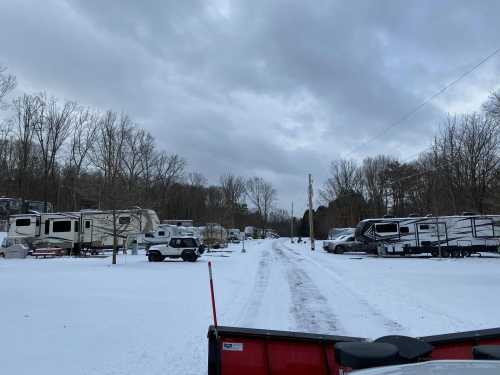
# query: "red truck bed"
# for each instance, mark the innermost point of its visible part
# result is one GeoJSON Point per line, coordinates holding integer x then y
{"type": "Point", "coordinates": [244, 351]}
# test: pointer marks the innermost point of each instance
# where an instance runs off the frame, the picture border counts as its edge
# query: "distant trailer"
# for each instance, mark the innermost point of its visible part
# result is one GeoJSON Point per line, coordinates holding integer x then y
{"type": "Point", "coordinates": [86, 229]}
{"type": "Point", "coordinates": [453, 235]}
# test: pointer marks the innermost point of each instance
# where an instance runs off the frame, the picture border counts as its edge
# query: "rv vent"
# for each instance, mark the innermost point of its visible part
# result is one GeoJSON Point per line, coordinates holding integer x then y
{"type": "Point", "coordinates": [388, 216]}
{"type": "Point", "coordinates": [429, 215]}
{"type": "Point", "coordinates": [413, 215]}
{"type": "Point", "coordinates": [469, 213]}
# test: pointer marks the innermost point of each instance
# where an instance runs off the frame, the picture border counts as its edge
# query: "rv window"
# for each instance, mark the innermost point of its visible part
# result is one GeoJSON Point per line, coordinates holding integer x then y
{"type": "Point", "coordinates": [23, 222]}
{"type": "Point", "coordinates": [61, 226]}
{"type": "Point", "coordinates": [386, 228]}
{"type": "Point", "coordinates": [47, 226]}
{"type": "Point", "coordinates": [87, 224]}
{"type": "Point", "coordinates": [149, 235]}
{"type": "Point", "coordinates": [404, 230]}
{"type": "Point", "coordinates": [424, 227]}
{"type": "Point", "coordinates": [161, 233]}
{"type": "Point", "coordinates": [124, 220]}
{"type": "Point", "coordinates": [76, 226]}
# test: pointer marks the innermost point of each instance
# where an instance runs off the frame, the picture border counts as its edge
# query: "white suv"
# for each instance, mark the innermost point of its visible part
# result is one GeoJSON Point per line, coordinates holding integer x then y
{"type": "Point", "coordinates": [187, 248]}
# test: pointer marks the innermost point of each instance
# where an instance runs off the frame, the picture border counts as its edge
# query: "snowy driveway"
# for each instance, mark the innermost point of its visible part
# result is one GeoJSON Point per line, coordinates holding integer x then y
{"type": "Point", "coordinates": [82, 316]}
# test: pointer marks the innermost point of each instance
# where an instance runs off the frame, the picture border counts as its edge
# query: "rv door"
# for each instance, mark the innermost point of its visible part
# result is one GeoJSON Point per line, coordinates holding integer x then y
{"type": "Point", "coordinates": [87, 230]}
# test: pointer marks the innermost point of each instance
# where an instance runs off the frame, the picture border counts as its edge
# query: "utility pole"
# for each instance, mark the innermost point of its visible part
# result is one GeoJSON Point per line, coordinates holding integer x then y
{"type": "Point", "coordinates": [291, 225]}
{"type": "Point", "coordinates": [311, 223]}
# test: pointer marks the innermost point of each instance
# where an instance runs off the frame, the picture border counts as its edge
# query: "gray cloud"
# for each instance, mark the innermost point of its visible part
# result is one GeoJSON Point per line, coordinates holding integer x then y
{"type": "Point", "coordinates": [273, 88]}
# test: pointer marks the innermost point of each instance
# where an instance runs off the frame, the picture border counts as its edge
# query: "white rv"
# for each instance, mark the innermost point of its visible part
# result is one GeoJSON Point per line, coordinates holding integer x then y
{"type": "Point", "coordinates": [88, 229]}
{"type": "Point", "coordinates": [452, 235]}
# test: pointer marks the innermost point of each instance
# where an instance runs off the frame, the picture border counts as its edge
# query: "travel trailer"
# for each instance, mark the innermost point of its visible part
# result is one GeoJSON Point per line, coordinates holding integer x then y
{"type": "Point", "coordinates": [452, 235]}
{"type": "Point", "coordinates": [86, 229]}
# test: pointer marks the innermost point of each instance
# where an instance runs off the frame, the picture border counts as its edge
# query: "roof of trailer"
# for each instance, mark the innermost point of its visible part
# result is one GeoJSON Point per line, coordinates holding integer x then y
{"type": "Point", "coordinates": [429, 217]}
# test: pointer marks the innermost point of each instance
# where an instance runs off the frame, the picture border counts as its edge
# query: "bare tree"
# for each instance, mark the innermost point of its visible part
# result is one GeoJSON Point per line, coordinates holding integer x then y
{"type": "Point", "coordinates": [7, 84]}
{"type": "Point", "coordinates": [169, 169]}
{"type": "Point", "coordinates": [7, 157]}
{"type": "Point", "coordinates": [375, 180]}
{"type": "Point", "coordinates": [28, 114]}
{"type": "Point", "coordinates": [51, 131]}
{"type": "Point", "coordinates": [83, 136]}
{"type": "Point", "coordinates": [492, 106]}
{"type": "Point", "coordinates": [132, 166]}
{"type": "Point", "coordinates": [467, 156]}
{"type": "Point", "coordinates": [107, 156]}
{"type": "Point", "coordinates": [345, 177]}
{"type": "Point", "coordinates": [196, 179]}
{"type": "Point", "coordinates": [262, 195]}
{"type": "Point", "coordinates": [233, 190]}
{"type": "Point", "coordinates": [148, 159]}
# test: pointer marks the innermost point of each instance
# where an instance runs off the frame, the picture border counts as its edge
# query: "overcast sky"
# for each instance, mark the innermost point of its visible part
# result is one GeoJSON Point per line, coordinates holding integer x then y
{"type": "Point", "coordinates": [270, 88]}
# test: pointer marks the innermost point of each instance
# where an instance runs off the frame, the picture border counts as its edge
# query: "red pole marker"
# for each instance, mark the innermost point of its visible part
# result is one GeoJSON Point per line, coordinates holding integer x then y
{"type": "Point", "coordinates": [214, 311]}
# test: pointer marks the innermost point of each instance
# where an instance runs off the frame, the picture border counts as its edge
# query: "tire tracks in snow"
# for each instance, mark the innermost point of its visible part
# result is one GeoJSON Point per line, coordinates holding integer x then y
{"type": "Point", "coordinates": [252, 307]}
{"type": "Point", "coordinates": [309, 307]}
{"type": "Point", "coordinates": [389, 323]}
{"type": "Point", "coordinates": [346, 294]}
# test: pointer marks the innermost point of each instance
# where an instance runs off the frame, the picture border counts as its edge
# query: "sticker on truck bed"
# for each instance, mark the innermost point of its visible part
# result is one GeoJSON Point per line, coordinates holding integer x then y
{"type": "Point", "coordinates": [232, 346]}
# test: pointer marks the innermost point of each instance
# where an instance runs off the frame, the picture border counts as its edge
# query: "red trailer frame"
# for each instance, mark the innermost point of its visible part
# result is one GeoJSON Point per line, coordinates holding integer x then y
{"type": "Point", "coordinates": [244, 351]}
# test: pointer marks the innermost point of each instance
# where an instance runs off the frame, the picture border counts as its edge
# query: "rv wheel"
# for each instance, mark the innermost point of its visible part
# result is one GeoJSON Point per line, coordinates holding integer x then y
{"type": "Point", "coordinates": [456, 253]}
{"type": "Point", "coordinates": [339, 249]}
{"type": "Point", "coordinates": [445, 253]}
{"type": "Point", "coordinates": [435, 253]}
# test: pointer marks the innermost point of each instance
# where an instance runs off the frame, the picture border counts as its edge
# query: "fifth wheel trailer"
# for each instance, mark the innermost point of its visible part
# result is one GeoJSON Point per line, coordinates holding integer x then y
{"type": "Point", "coordinates": [86, 229]}
{"type": "Point", "coordinates": [453, 235]}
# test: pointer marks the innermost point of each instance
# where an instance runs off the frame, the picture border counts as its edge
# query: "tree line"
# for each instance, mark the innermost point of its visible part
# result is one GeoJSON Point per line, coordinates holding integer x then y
{"type": "Point", "coordinates": [78, 157]}
{"type": "Point", "coordinates": [459, 172]}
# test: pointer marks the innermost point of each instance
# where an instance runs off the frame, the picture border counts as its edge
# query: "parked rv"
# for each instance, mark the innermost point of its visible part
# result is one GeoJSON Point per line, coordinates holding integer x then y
{"type": "Point", "coordinates": [452, 235]}
{"type": "Point", "coordinates": [86, 229]}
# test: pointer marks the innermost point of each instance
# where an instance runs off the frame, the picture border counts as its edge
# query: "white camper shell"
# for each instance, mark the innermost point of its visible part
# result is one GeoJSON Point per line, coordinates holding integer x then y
{"type": "Point", "coordinates": [87, 229]}
{"type": "Point", "coordinates": [453, 235]}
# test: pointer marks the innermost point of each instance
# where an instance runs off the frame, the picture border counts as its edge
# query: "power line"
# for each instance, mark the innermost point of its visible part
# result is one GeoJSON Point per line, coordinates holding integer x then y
{"type": "Point", "coordinates": [426, 101]}
{"type": "Point", "coordinates": [432, 169]}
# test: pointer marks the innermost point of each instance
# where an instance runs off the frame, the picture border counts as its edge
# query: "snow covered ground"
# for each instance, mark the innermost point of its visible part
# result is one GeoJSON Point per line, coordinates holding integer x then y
{"type": "Point", "coordinates": [83, 316]}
